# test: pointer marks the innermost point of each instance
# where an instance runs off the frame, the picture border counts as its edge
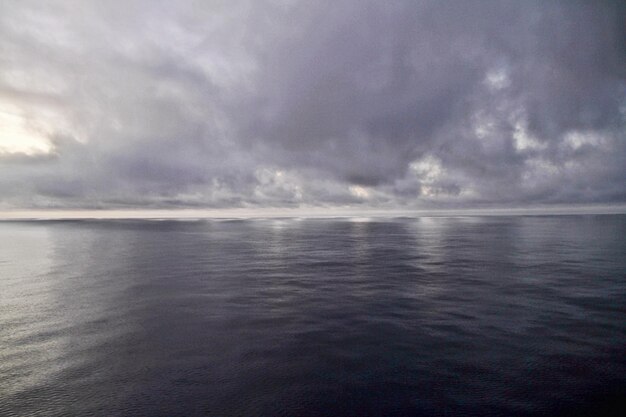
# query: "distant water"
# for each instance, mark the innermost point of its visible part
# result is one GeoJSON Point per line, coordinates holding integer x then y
{"type": "Point", "coordinates": [427, 316]}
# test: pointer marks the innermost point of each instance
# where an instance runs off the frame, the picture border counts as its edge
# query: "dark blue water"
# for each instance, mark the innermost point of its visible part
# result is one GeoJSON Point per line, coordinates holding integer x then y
{"type": "Point", "coordinates": [427, 316]}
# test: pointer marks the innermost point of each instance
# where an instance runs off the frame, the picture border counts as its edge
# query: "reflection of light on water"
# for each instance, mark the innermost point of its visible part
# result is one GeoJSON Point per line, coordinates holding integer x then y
{"type": "Point", "coordinates": [360, 219]}
{"type": "Point", "coordinates": [429, 234]}
{"type": "Point", "coordinates": [274, 244]}
{"type": "Point", "coordinates": [59, 290]}
{"type": "Point", "coordinates": [24, 252]}
{"type": "Point", "coordinates": [359, 226]}
{"type": "Point", "coordinates": [278, 225]}
{"type": "Point", "coordinates": [26, 303]}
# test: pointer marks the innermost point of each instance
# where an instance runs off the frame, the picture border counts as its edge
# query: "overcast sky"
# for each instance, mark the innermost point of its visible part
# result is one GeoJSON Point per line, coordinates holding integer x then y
{"type": "Point", "coordinates": [382, 104]}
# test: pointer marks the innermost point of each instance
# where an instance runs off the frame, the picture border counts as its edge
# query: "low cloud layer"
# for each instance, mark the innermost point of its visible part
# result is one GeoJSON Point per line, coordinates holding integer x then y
{"type": "Point", "coordinates": [394, 104]}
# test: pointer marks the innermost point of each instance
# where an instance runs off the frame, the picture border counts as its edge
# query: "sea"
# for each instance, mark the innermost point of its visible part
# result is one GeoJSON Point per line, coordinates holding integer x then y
{"type": "Point", "coordinates": [424, 316]}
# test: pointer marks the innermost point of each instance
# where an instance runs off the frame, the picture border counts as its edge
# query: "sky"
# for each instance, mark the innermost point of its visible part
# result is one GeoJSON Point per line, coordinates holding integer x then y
{"type": "Point", "coordinates": [283, 104]}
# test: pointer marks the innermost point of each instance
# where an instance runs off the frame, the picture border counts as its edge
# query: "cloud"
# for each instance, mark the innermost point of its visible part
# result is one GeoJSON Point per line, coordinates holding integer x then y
{"type": "Point", "coordinates": [295, 103]}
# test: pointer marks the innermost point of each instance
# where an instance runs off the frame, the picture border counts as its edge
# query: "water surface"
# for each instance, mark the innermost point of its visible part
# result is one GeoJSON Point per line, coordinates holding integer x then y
{"type": "Point", "coordinates": [295, 317]}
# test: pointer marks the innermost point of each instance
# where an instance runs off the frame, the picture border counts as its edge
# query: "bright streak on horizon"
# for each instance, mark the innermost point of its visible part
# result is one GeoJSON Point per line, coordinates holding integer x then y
{"type": "Point", "coordinates": [312, 212]}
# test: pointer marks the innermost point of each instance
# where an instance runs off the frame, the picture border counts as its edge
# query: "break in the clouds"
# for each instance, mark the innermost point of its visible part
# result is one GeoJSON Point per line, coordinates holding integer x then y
{"type": "Point", "coordinates": [311, 103]}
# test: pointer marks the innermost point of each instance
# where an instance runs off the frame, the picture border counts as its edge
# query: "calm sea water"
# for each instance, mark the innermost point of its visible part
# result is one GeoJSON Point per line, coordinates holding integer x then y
{"type": "Point", "coordinates": [290, 317]}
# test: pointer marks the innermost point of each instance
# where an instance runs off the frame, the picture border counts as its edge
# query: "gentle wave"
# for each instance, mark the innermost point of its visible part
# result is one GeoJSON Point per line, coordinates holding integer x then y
{"type": "Point", "coordinates": [438, 316]}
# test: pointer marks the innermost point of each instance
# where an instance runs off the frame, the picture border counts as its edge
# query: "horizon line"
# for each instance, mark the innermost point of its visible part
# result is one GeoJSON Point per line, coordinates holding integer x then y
{"type": "Point", "coordinates": [302, 212]}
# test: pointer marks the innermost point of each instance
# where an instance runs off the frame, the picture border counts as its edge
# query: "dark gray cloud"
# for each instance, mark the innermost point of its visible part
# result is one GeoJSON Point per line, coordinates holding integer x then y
{"type": "Point", "coordinates": [297, 103]}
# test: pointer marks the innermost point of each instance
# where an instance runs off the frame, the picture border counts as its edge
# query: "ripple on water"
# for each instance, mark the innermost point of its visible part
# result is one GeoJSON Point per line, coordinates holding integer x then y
{"type": "Point", "coordinates": [474, 316]}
